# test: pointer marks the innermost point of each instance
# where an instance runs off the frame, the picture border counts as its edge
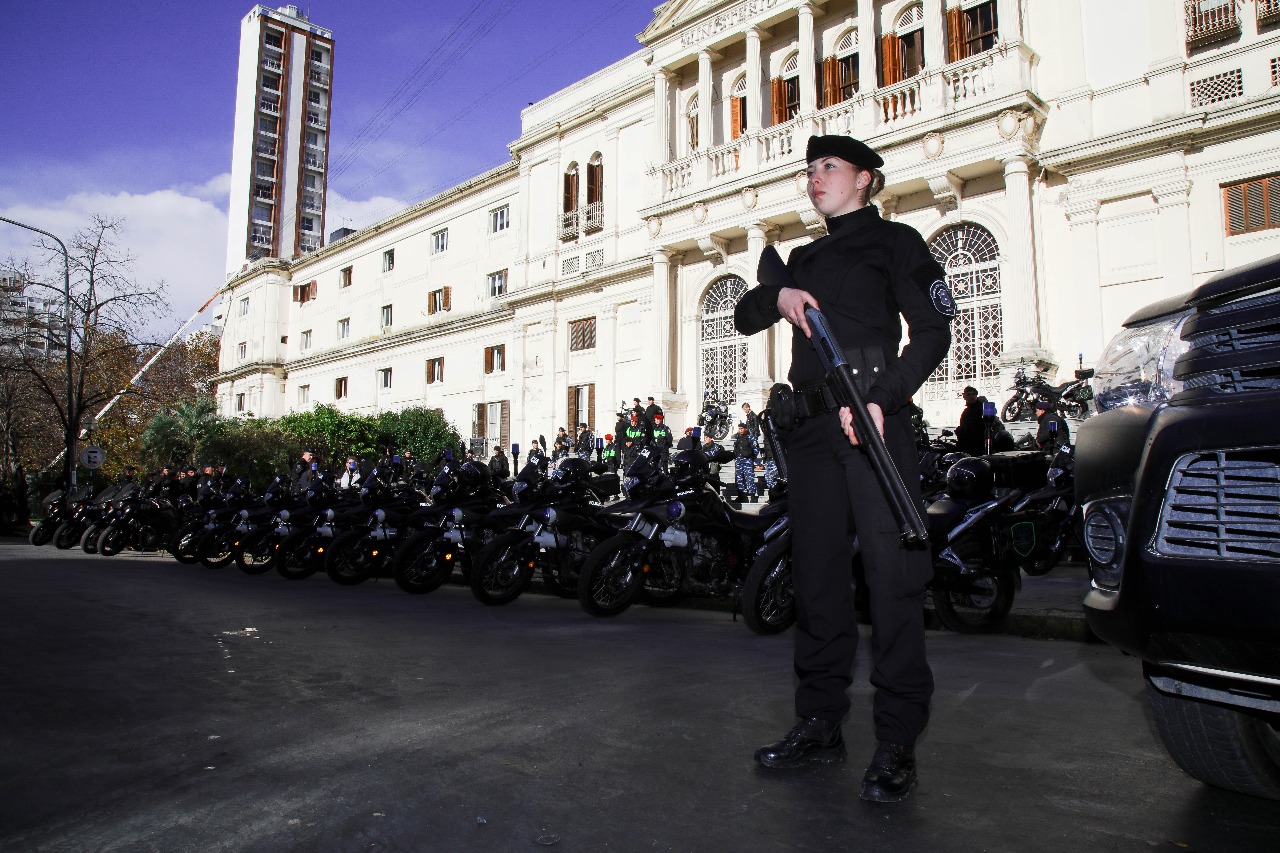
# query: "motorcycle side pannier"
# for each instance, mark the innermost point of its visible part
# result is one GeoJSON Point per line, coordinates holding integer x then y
{"type": "Point", "coordinates": [1019, 469]}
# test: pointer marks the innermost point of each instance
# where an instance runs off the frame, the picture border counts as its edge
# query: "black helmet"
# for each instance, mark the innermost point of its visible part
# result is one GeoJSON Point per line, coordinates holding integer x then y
{"type": "Point", "coordinates": [950, 459]}
{"type": "Point", "coordinates": [970, 479]}
{"type": "Point", "coordinates": [472, 474]}
{"type": "Point", "coordinates": [571, 468]}
{"type": "Point", "coordinates": [688, 464]}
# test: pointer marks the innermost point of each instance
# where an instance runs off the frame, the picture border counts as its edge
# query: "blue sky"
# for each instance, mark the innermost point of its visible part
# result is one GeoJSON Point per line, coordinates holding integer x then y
{"type": "Point", "coordinates": [124, 108]}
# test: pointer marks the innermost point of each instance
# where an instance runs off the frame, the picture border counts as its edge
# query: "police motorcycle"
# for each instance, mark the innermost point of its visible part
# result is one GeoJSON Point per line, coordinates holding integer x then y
{"type": "Point", "coordinates": [85, 513]}
{"type": "Point", "coordinates": [1071, 399]}
{"type": "Point", "coordinates": [300, 539]}
{"type": "Point", "coordinates": [714, 419]}
{"type": "Point", "coordinates": [182, 544]}
{"type": "Point", "coordinates": [1053, 512]}
{"type": "Point", "coordinates": [212, 542]}
{"type": "Point", "coordinates": [250, 542]}
{"type": "Point", "coordinates": [58, 507]}
{"type": "Point", "coordinates": [143, 522]}
{"type": "Point", "coordinates": [99, 515]}
{"type": "Point", "coordinates": [452, 527]}
{"type": "Point", "coordinates": [677, 536]}
{"type": "Point", "coordinates": [549, 528]}
{"type": "Point", "coordinates": [370, 539]}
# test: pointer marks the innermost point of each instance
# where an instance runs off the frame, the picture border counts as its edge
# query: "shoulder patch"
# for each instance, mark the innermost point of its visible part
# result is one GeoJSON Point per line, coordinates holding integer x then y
{"type": "Point", "coordinates": [940, 296]}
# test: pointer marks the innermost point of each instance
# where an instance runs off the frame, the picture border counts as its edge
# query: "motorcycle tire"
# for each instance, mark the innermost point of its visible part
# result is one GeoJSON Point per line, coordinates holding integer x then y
{"type": "Point", "coordinates": [718, 429]}
{"type": "Point", "coordinates": [216, 550]}
{"type": "Point", "coordinates": [425, 562]}
{"type": "Point", "coordinates": [1015, 409]}
{"type": "Point", "coordinates": [767, 599]}
{"type": "Point", "coordinates": [611, 576]}
{"type": "Point", "coordinates": [291, 562]}
{"type": "Point", "coordinates": [348, 562]}
{"type": "Point", "coordinates": [89, 539]}
{"type": "Point", "coordinates": [504, 569]}
{"type": "Point", "coordinates": [67, 536]}
{"type": "Point", "coordinates": [981, 609]}
{"type": "Point", "coordinates": [183, 545]}
{"type": "Point", "coordinates": [253, 553]}
{"type": "Point", "coordinates": [41, 534]}
{"type": "Point", "coordinates": [112, 541]}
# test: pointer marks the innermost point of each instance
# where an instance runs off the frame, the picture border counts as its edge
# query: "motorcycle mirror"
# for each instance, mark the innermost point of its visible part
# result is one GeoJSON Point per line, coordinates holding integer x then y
{"type": "Point", "coordinates": [697, 433]}
{"type": "Point", "coordinates": [988, 409]}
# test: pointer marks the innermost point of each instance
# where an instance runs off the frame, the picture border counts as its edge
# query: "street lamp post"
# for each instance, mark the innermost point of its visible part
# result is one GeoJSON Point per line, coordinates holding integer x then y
{"type": "Point", "coordinates": [73, 420]}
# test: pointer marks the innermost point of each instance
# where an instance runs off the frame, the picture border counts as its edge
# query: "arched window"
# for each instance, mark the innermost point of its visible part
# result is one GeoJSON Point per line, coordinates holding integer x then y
{"type": "Point", "coordinates": [723, 351]}
{"type": "Point", "coordinates": [840, 70]}
{"type": "Point", "coordinates": [738, 108]}
{"type": "Point", "coordinates": [569, 214]}
{"type": "Point", "coordinates": [902, 51]}
{"type": "Point", "coordinates": [691, 122]}
{"type": "Point", "coordinates": [593, 213]}
{"type": "Point", "coordinates": [785, 91]}
{"type": "Point", "coordinates": [971, 257]}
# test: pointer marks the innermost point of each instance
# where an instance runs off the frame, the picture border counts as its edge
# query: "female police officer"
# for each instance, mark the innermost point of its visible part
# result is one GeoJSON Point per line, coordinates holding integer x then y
{"type": "Point", "coordinates": [864, 275]}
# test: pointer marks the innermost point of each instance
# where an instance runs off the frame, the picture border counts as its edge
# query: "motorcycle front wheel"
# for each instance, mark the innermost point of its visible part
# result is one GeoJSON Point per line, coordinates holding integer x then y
{"type": "Point", "coordinates": [253, 552]}
{"type": "Point", "coordinates": [504, 569]}
{"type": "Point", "coordinates": [184, 544]}
{"type": "Point", "coordinates": [41, 533]}
{"type": "Point", "coordinates": [611, 576]}
{"type": "Point", "coordinates": [295, 557]}
{"type": "Point", "coordinates": [350, 561]}
{"type": "Point", "coordinates": [1014, 409]}
{"type": "Point", "coordinates": [67, 535]}
{"type": "Point", "coordinates": [112, 541]}
{"type": "Point", "coordinates": [89, 539]}
{"type": "Point", "coordinates": [768, 599]}
{"type": "Point", "coordinates": [425, 562]}
{"type": "Point", "coordinates": [976, 604]}
{"type": "Point", "coordinates": [216, 551]}
{"type": "Point", "coordinates": [718, 429]}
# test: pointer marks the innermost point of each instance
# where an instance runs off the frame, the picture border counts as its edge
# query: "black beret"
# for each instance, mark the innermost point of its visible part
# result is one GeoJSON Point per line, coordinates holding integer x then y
{"type": "Point", "coordinates": [846, 148]}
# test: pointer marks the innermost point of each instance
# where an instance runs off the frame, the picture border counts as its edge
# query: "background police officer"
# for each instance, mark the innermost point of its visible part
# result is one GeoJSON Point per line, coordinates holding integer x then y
{"type": "Point", "coordinates": [864, 275]}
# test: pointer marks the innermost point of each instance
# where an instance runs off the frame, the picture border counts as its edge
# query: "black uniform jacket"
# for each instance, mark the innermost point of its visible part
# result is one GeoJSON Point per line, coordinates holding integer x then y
{"type": "Point", "coordinates": [864, 274]}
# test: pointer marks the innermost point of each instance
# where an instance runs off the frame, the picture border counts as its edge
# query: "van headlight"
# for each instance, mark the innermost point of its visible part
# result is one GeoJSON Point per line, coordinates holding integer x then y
{"type": "Point", "coordinates": [1137, 364]}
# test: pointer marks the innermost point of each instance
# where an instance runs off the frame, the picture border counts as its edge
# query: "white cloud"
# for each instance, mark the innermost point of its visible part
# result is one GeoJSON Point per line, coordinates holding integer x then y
{"type": "Point", "coordinates": [344, 212]}
{"type": "Point", "coordinates": [174, 236]}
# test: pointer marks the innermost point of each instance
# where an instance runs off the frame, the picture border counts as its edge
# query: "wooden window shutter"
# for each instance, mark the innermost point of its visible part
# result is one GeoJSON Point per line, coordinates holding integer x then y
{"type": "Point", "coordinates": [890, 60]}
{"type": "Point", "coordinates": [488, 359]}
{"type": "Point", "coordinates": [590, 416]}
{"type": "Point", "coordinates": [431, 304]}
{"type": "Point", "coordinates": [482, 426]}
{"type": "Point", "coordinates": [504, 429]}
{"type": "Point", "coordinates": [595, 182]}
{"type": "Point", "coordinates": [572, 410]}
{"type": "Point", "coordinates": [778, 99]}
{"type": "Point", "coordinates": [830, 81]}
{"type": "Point", "coordinates": [735, 117]}
{"type": "Point", "coordinates": [315, 289]}
{"type": "Point", "coordinates": [445, 303]}
{"type": "Point", "coordinates": [956, 41]}
{"type": "Point", "coordinates": [570, 192]}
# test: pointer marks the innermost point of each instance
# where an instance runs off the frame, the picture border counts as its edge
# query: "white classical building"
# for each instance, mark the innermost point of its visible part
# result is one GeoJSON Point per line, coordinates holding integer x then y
{"type": "Point", "coordinates": [1067, 160]}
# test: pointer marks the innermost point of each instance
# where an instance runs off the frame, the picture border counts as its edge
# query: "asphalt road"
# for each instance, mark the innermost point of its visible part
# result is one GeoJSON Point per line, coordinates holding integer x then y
{"type": "Point", "coordinates": [147, 706]}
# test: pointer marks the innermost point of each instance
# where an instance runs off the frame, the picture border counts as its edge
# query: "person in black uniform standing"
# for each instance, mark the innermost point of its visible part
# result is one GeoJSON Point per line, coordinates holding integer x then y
{"type": "Point", "coordinates": [971, 434]}
{"type": "Point", "coordinates": [865, 275]}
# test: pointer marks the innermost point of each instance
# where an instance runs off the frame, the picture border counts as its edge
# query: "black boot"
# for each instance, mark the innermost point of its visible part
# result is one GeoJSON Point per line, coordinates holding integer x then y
{"type": "Point", "coordinates": [892, 774]}
{"type": "Point", "coordinates": [811, 739]}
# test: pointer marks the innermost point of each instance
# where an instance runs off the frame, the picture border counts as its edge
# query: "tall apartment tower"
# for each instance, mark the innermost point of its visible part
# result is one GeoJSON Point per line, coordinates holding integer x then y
{"type": "Point", "coordinates": [280, 151]}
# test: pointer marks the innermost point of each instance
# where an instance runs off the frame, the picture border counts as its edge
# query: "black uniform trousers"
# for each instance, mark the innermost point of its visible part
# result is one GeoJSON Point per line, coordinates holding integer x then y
{"type": "Point", "coordinates": [833, 491]}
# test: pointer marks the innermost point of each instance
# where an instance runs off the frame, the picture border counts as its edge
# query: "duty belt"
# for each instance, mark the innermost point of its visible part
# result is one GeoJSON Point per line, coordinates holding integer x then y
{"type": "Point", "coordinates": [814, 400]}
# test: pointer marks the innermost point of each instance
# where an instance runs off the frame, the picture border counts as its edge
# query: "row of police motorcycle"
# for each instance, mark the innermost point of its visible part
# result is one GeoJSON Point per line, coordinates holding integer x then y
{"type": "Point", "coordinates": [652, 537]}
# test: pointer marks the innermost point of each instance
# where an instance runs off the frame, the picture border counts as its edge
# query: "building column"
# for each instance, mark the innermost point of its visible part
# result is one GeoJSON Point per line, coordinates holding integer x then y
{"type": "Point", "coordinates": [1010, 18]}
{"type": "Point", "coordinates": [705, 110]}
{"type": "Point", "coordinates": [606, 373]}
{"type": "Point", "coordinates": [867, 44]}
{"type": "Point", "coordinates": [516, 365]}
{"type": "Point", "coordinates": [755, 81]}
{"type": "Point", "coordinates": [935, 27]}
{"type": "Point", "coordinates": [757, 345]}
{"type": "Point", "coordinates": [1174, 201]}
{"type": "Point", "coordinates": [808, 56]}
{"type": "Point", "coordinates": [661, 117]}
{"type": "Point", "coordinates": [1085, 298]}
{"type": "Point", "coordinates": [1019, 310]}
{"type": "Point", "coordinates": [663, 331]}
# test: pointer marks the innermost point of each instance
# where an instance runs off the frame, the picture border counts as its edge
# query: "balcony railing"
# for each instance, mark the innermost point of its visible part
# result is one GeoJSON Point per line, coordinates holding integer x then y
{"type": "Point", "coordinates": [1211, 20]}
{"type": "Point", "coordinates": [320, 78]}
{"type": "Point", "coordinates": [260, 238]}
{"type": "Point", "coordinates": [271, 63]}
{"type": "Point", "coordinates": [267, 149]}
{"type": "Point", "coordinates": [269, 106]}
{"type": "Point", "coordinates": [308, 245]}
{"type": "Point", "coordinates": [312, 203]}
{"type": "Point", "coordinates": [315, 163]}
{"type": "Point", "coordinates": [569, 225]}
{"type": "Point", "coordinates": [593, 217]}
{"type": "Point", "coordinates": [314, 120]}
{"type": "Point", "coordinates": [1268, 11]}
{"type": "Point", "coordinates": [986, 80]}
{"type": "Point", "coordinates": [264, 194]}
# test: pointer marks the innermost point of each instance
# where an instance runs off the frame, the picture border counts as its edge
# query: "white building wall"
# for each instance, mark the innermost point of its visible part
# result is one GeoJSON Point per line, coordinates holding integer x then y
{"type": "Point", "coordinates": [1074, 142]}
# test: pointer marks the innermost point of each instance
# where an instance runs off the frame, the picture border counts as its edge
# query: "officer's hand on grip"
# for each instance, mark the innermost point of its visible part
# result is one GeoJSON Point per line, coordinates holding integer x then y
{"type": "Point", "coordinates": [791, 305]}
{"type": "Point", "coordinates": [846, 421]}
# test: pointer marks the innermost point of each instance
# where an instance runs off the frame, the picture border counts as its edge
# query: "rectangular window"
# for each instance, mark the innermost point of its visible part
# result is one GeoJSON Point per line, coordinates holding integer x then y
{"type": "Point", "coordinates": [440, 241]}
{"type": "Point", "coordinates": [317, 56]}
{"type": "Point", "coordinates": [340, 388]}
{"type": "Point", "coordinates": [911, 53]}
{"type": "Point", "coordinates": [1252, 205]}
{"type": "Point", "coordinates": [344, 277]}
{"type": "Point", "coordinates": [313, 139]}
{"type": "Point", "coordinates": [386, 316]}
{"type": "Point", "coordinates": [304, 395]}
{"type": "Point", "coordinates": [309, 181]}
{"type": "Point", "coordinates": [438, 300]}
{"type": "Point", "coordinates": [304, 293]}
{"type": "Point", "coordinates": [981, 28]}
{"type": "Point", "coordinates": [384, 378]}
{"type": "Point", "coordinates": [582, 334]}
{"type": "Point", "coordinates": [435, 370]}
{"type": "Point", "coordinates": [848, 76]}
{"type": "Point", "coordinates": [495, 359]}
{"type": "Point", "coordinates": [344, 328]}
{"type": "Point", "coordinates": [313, 97]}
{"type": "Point", "coordinates": [308, 224]}
{"type": "Point", "coordinates": [274, 40]}
{"type": "Point", "coordinates": [497, 283]}
{"type": "Point", "coordinates": [388, 260]}
{"type": "Point", "coordinates": [244, 307]}
{"type": "Point", "coordinates": [499, 219]}
{"type": "Point", "coordinates": [791, 96]}
{"type": "Point", "coordinates": [239, 404]}
{"type": "Point", "coordinates": [242, 350]}
{"type": "Point", "coordinates": [306, 339]}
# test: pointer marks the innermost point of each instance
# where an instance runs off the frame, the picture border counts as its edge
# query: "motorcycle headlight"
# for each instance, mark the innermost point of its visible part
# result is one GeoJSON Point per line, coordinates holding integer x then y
{"type": "Point", "coordinates": [283, 515]}
{"type": "Point", "coordinates": [675, 511]}
{"type": "Point", "coordinates": [456, 515]}
{"type": "Point", "coordinates": [328, 515]}
{"type": "Point", "coordinates": [242, 515]}
{"type": "Point", "coordinates": [379, 516]}
{"type": "Point", "coordinates": [546, 515]}
{"type": "Point", "coordinates": [1137, 364]}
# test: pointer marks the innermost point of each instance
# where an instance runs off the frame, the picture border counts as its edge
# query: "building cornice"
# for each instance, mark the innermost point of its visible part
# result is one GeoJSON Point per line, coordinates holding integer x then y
{"type": "Point", "coordinates": [252, 368]}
